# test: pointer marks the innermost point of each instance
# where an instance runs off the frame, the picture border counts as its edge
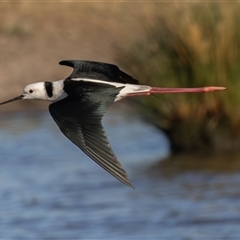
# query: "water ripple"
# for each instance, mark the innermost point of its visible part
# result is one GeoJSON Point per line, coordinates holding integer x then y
{"type": "Point", "coordinates": [50, 189]}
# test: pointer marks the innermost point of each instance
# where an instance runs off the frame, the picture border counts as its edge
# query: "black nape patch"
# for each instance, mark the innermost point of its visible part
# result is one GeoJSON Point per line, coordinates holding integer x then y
{"type": "Point", "coordinates": [49, 88]}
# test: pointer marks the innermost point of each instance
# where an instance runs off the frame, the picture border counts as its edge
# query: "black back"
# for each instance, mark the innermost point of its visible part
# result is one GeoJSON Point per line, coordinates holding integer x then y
{"type": "Point", "coordinates": [97, 70]}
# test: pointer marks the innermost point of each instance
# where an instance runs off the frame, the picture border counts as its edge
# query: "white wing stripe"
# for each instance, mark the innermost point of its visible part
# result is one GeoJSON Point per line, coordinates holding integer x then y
{"type": "Point", "coordinates": [128, 88]}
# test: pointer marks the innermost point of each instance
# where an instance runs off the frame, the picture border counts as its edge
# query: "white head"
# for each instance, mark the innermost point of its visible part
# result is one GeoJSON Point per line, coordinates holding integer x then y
{"type": "Point", "coordinates": [35, 91]}
{"type": "Point", "coordinates": [47, 91]}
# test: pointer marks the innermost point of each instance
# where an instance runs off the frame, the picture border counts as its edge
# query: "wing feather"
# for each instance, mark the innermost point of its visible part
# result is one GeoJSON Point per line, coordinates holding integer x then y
{"type": "Point", "coordinates": [79, 118]}
{"type": "Point", "coordinates": [98, 70]}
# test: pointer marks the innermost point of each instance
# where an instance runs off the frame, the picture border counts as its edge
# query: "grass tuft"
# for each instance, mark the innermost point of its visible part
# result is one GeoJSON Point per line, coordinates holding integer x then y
{"type": "Point", "coordinates": [191, 45]}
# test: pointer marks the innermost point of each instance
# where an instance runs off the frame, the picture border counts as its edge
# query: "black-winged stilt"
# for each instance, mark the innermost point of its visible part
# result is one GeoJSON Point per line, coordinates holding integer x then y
{"type": "Point", "coordinates": [81, 100]}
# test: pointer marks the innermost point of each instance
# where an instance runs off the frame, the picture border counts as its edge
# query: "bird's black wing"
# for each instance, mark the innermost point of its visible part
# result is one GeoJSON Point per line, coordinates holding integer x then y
{"type": "Point", "coordinates": [79, 118]}
{"type": "Point", "coordinates": [98, 70]}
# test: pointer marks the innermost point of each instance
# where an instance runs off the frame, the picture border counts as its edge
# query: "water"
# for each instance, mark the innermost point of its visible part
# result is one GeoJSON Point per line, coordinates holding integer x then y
{"type": "Point", "coordinates": [50, 189]}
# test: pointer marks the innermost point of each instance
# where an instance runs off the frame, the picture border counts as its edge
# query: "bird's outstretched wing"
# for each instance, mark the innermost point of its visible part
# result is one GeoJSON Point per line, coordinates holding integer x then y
{"type": "Point", "coordinates": [98, 70]}
{"type": "Point", "coordinates": [79, 118]}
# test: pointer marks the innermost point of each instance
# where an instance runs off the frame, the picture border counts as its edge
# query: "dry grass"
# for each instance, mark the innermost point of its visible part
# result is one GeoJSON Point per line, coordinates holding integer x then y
{"type": "Point", "coordinates": [192, 44]}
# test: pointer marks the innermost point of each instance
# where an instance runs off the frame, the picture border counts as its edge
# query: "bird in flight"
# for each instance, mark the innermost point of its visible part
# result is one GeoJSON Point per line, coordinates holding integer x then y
{"type": "Point", "coordinates": [80, 101]}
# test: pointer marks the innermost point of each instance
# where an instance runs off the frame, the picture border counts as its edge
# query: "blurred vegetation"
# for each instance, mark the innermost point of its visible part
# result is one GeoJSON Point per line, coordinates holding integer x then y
{"type": "Point", "coordinates": [191, 45]}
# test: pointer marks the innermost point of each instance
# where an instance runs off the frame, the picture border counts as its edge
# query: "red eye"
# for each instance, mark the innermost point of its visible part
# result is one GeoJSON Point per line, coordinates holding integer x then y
{"type": "Point", "coordinates": [30, 91]}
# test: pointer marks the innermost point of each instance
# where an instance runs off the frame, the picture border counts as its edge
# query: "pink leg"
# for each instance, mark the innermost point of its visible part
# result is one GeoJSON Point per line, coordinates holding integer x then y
{"type": "Point", "coordinates": [156, 90]}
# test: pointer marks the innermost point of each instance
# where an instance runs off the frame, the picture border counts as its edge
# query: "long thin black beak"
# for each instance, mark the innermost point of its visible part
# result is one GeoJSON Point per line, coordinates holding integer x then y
{"type": "Point", "coordinates": [12, 100]}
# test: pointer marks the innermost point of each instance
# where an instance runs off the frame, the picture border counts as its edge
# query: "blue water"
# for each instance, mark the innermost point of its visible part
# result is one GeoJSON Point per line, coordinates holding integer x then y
{"type": "Point", "coordinates": [50, 189]}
